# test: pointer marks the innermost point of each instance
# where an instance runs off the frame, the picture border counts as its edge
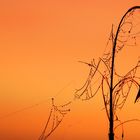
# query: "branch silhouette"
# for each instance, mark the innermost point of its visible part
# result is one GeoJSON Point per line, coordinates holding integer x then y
{"type": "Point", "coordinates": [115, 88]}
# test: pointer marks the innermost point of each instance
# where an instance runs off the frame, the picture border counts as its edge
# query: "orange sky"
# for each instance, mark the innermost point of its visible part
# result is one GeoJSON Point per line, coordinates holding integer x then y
{"type": "Point", "coordinates": [41, 43]}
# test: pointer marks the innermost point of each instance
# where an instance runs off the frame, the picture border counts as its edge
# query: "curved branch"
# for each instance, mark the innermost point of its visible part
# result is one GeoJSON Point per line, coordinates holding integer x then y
{"type": "Point", "coordinates": [125, 122]}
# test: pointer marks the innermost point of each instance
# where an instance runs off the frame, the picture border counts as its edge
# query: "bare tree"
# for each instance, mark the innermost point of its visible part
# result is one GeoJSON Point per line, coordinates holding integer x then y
{"type": "Point", "coordinates": [115, 87]}
{"type": "Point", "coordinates": [104, 77]}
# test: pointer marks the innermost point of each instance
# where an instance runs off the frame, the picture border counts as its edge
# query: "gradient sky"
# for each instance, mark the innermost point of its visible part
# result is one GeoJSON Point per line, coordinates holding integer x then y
{"type": "Point", "coordinates": [41, 43]}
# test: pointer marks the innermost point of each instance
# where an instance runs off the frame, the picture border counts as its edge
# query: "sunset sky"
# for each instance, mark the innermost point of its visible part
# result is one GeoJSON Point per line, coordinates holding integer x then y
{"type": "Point", "coordinates": [41, 43]}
